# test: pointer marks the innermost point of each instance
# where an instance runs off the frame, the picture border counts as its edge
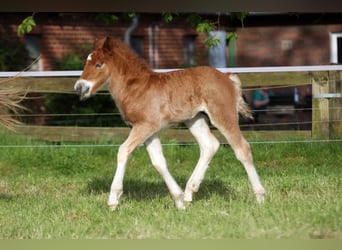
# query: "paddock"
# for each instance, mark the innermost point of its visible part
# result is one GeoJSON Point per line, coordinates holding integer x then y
{"type": "Point", "coordinates": [59, 191]}
{"type": "Point", "coordinates": [54, 184]}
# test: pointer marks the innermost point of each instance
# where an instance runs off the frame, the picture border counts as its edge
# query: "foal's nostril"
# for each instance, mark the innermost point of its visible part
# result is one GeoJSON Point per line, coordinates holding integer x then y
{"type": "Point", "coordinates": [81, 88]}
{"type": "Point", "coordinates": [78, 89]}
{"type": "Point", "coordinates": [86, 89]}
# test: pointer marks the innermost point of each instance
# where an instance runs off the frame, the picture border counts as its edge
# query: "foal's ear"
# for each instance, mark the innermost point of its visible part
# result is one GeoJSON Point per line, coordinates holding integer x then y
{"type": "Point", "coordinates": [98, 43]}
{"type": "Point", "coordinates": [107, 44]}
{"type": "Point", "coordinates": [103, 43]}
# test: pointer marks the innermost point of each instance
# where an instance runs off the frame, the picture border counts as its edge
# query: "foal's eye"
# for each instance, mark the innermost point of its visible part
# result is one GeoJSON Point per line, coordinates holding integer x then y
{"type": "Point", "coordinates": [98, 65]}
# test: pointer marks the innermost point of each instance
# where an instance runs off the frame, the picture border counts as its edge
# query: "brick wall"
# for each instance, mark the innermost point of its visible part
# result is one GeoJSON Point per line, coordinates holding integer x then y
{"type": "Point", "coordinates": [256, 46]}
{"type": "Point", "coordinates": [284, 45]}
{"type": "Point", "coordinates": [58, 38]}
{"type": "Point", "coordinates": [57, 41]}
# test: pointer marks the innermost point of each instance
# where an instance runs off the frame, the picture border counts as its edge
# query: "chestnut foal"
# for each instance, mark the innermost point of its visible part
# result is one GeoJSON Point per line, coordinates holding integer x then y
{"type": "Point", "coordinates": [150, 101]}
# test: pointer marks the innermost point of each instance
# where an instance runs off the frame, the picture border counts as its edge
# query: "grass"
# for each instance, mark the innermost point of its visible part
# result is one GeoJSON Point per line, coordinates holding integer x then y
{"type": "Point", "coordinates": [60, 192]}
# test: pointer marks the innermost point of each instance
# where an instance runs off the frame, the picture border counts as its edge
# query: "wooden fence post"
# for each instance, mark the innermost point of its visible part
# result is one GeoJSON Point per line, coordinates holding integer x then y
{"type": "Point", "coordinates": [326, 106]}
{"type": "Point", "coordinates": [336, 105]}
{"type": "Point", "coordinates": [320, 108]}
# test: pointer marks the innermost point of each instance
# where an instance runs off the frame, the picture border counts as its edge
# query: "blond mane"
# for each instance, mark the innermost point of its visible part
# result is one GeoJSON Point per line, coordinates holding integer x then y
{"type": "Point", "coordinates": [128, 56]}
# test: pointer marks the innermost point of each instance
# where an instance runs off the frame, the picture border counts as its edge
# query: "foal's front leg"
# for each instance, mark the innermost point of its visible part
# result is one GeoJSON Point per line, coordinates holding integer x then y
{"type": "Point", "coordinates": [136, 137]}
{"type": "Point", "coordinates": [155, 152]}
{"type": "Point", "coordinates": [117, 184]}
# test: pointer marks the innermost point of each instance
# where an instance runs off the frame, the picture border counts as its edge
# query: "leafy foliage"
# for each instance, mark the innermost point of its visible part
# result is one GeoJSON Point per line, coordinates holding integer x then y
{"type": "Point", "coordinates": [75, 59]}
{"type": "Point", "coordinates": [71, 103]}
{"type": "Point", "coordinates": [212, 41]}
{"type": "Point", "coordinates": [70, 111]}
{"type": "Point", "coordinates": [167, 16]}
{"type": "Point", "coordinates": [205, 26]}
{"type": "Point", "coordinates": [196, 20]}
{"type": "Point", "coordinates": [69, 61]}
{"type": "Point", "coordinates": [107, 18]}
{"type": "Point", "coordinates": [13, 55]}
{"type": "Point", "coordinates": [26, 25]}
{"type": "Point", "coordinates": [241, 16]}
{"type": "Point", "coordinates": [231, 36]}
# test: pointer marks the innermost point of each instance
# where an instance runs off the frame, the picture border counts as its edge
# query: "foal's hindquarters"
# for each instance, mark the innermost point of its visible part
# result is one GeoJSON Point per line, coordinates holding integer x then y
{"type": "Point", "coordinates": [208, 147]}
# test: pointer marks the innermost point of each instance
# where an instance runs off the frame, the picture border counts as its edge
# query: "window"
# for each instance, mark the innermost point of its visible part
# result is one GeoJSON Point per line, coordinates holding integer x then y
{"type": "Point", "coordinates": [189, 50]}
{"type": "Point", "coordinates": [339, 50]}
{"type": "Point", "coordinates": [32, 44]}
{"type": "Point", "coordinates": [336, 48]}
{"type": "Point", "coordinates": [137, 44]}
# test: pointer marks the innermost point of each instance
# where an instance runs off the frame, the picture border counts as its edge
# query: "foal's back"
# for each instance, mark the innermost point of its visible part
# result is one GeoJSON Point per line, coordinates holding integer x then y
{"type": "Point", "coordinates": [184, 93]}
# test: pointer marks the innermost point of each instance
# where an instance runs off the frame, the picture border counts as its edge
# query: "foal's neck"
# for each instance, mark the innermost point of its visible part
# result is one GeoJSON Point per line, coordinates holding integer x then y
{"type": "Point", "coordinates": [131, 68]}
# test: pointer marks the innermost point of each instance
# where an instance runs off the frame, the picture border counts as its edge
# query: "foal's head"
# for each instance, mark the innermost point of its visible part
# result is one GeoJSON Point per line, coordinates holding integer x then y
{"type": "Point", "coordinates": [96, 71]}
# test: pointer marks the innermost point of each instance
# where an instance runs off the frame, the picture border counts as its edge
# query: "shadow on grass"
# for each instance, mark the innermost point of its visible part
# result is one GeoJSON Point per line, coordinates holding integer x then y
{"type": "Point", "coordinates": [6, 197]}
{"type": "Point", "coordinates": [143, 190]}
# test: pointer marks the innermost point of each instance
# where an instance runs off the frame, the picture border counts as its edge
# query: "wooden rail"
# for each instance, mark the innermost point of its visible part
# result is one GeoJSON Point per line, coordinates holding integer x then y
{"type": "Point", "coordinates": [327, 114]}
{"type": "Point", "coordinates": [63, 81]}
{"type": "Point", "coordinates": [98, 134]}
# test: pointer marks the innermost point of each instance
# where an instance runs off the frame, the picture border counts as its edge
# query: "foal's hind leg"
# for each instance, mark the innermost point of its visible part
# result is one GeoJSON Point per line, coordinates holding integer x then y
{"type": "Point", "coordinates": [208, 147]}
{"type": "Point", "coordinates": [243, 154]}
{"type": "Point", "coordinates": [227, 122]}
{"type": "Point", "coordinates": [155, 152]}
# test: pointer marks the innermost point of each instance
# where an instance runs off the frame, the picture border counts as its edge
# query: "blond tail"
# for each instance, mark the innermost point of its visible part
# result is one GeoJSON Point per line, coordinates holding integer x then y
{"type": "Point", "coordinates": [242, 106]}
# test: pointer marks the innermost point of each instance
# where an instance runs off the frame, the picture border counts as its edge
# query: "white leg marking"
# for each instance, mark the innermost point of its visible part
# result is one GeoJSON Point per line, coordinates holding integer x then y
{"type": "Point", "coordinates": [244, 155]}
{"type": "Point", "coordinates": [117, 184]}
{"type": "Point", "coordinates": [208, 147]}
{"type": "Point", "coordinates": [137, 136]}
{"type": "Point", "coordinates": [155, 152]}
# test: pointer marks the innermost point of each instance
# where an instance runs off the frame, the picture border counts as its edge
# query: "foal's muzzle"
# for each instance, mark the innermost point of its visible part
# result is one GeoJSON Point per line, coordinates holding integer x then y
{"type": "Point", "coordinates": [83, 88]}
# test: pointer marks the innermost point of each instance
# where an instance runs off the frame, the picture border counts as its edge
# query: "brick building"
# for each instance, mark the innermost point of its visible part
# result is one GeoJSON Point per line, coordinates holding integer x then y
{"type": "Point", "coordinates": [286, 40]}
{"type": "Point", "coordinates": [264, 40]}
{"type": "Point", "coordinates": [163, 45]}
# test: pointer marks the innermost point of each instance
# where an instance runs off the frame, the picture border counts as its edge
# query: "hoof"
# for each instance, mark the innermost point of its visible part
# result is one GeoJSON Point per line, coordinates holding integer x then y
{"type": "Point", "coordinates": [187, 197]}
{"type": "Point", "coordinates": [112, 207]}
{"type": "Point", "coordinates": [187, 203]}
{"type": "Point", "coordinates": [180, 205]}
{"type": "Point", "coordinates": [179, 202]}
{"type": "Point", "coordinates": [260, 197]}
{"type": "Point", "coordinates": [187, 200]}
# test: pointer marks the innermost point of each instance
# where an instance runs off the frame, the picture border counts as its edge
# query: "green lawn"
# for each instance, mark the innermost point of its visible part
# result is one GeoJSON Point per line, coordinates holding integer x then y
{"type": "Point", "coordinates": [60, 191]}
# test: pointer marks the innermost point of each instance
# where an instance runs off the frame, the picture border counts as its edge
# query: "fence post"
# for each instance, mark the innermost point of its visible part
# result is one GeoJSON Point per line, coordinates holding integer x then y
{"type": "Point", "coordinates": [336, 105]}
{"type": "Point", "coordinates": [326, 106]}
